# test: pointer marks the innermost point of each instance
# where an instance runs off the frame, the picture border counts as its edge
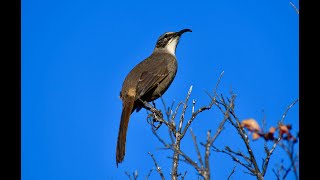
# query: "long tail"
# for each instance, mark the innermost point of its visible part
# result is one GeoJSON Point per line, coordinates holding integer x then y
{"type": "Point", "coordinates": [125, 116]}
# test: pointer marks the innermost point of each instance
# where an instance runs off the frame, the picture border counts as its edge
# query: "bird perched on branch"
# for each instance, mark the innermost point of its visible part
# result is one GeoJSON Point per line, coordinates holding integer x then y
{"type": "Point", "coordinates": [147, 81]}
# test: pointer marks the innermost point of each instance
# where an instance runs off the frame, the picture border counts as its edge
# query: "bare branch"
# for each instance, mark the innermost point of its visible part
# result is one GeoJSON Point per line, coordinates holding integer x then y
{"type": "Point", "coordinates": [197, 147]}
{"type": "Point", "coordinates": [292, 166]}
{"type": "Point", "coordinates": [193, 105]}
{"type": "Point", "coordinates": [178, 131]}
{"type": "Point", "coordinates": [194, 114]}
{"type": "Point", "coordinates": [264, 122]}
{"type": "Point", "coordinates": [234, 158]}
{"type": "Point", "coordinates": [157, 116]}
{"type": "Point", "coordinates": [232, 172]}
{"type": "Point", "coordinates": [242, 134]}
{"type": "Point", "coordinates": [207, 155]}
{"type": "Point", "coordinates": [295, 8]}
{"type": "Point", "coordinates": [149, 174]}
{"type": "Point", "coordinates": [276, 142]}
{"type": "Point", "coordinates": [192, 118]}
{"type": "Point", "coordinates": [184, 109]}
{"type": "Point", "coordinates": [245, 139]}
{"type": "Point", "coordinates": [188, 160]}
{"type": "Point", "coordinates": [175, 112]}
{"type": "Point", "coordinates": [160, 139]}
{"type": "Point", "coordinates": [220, 128]}
{"type": "Point", "coordinates": [184, 175]}
{"type": "Point", "coordinates": [171, 133]}
{"type": "Point", "coordinates": [128, 174]}
{"type": "Point", "coordinates": [135, 175]}
{"type": "Point", "coordinates": [239, 153]}
{"type": "Point", "coordinates": [269, 153]}
{"type": "Point", "coordinates": [178, 138]}
{"type": "Point", "coordinates": [216, 88]}
{"type": "Point", "coordinates": [289, 149]}
{"type": "Point", "coordinates": [288, 108]}
{"type": "Point", "coordinates": [176, 148]}
{"type": "Point", "coordinates": [167, 111]}
{"type": "Point", "coordinates": [276, 174]}
{"type": "Point", "coordinates": [158, 168]}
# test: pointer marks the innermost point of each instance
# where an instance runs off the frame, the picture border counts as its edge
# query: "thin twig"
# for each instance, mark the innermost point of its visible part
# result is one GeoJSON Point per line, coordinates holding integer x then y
{"type": "Point", "coordinates": [176, 133]}
{"type": "Point", "coordinates": [178, 137]}
{"type": "Point", "coordinates": [160, 139]}
{"type": "Point", "coordinates": [158, 168]}
{"type": "Point", "coordinates": [167, 110]}
{"type": "Point", "coordinates": [216, 88]}
{"type": "Point", "coordinates": [276, 142]}
{"type": "Point", "coordinates": [290, 152]}
{"type": "Point", "coordinates": [264, 122]}
{"type": "Point", "coordinates": [157, 116]}
{"type": "Point", "coordinates": [239, 153]}
{"type": "Point", "coordinates": [295, 8]}
{"type": "Point", "coordinates": [245, 139]}
{"type": "Point", "coordinates": [234, 158]}
{"type": "Point", "coordinates": [220, 128]}
{"type": "Point", "coordinates": [128, 174]}
{"type": "Point", "coordinates": [276, 174]}
{"type": "Point", "coordinates": [184, 109]}
{"type": "Point", "coordinates": [188, 160]}
{"type": "Point", "coordinates": [184, 175]}
{"type": "Point", "coordinates": [197, 147]}
{"type": "Point", "coordinates": [292, 166]}
{"type": "Point", "coordinates": [269, 153]}
{"type": "Point", "coordinates": [149, 174]}
{"type": "Point", "coordinates": [194, 115]}
{"type": "Point", "coordinates": [242, 133]}
{"type": "Point", "coordinates": [206, 157]}
{"type": "Point", "coordinates": [135, 175]}
{"type": "Point", "coordinates": [288, 108]}
{"type": "Point", "coordinates": [175, 112]}
{"type": "Point", "coordinates": [193, 105]}
{"type": "Point", "coordinates": [232, 172]}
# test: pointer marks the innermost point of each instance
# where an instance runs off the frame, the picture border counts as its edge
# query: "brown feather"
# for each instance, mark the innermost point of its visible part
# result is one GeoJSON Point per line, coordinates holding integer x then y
{"type": "Point", "coordinates": [147, 81]}
{"type": "Point", "coordinates": [127, 108]}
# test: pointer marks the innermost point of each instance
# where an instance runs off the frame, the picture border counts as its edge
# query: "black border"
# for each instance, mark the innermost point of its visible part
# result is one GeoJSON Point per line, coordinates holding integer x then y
{"type": "Point", "coordinates": [308, 89]}
{"type": "Point", "coordinates": [11, 85]}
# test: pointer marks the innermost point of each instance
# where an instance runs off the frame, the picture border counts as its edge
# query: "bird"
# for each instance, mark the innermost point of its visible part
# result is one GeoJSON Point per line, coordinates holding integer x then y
{"type": "Point", "coordinates": [147, 81]}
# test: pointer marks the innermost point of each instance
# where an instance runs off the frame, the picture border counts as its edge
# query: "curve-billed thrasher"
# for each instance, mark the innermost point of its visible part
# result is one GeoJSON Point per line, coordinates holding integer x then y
{"type": "Point", "coordinates": [147, 81]}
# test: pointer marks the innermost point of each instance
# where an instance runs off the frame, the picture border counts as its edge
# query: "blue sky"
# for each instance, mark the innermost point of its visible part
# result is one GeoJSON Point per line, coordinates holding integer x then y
{"type": "Point", "coordinates": [76, 54]}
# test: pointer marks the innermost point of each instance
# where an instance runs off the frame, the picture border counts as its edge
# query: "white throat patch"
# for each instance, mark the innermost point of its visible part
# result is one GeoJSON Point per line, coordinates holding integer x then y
{"type": "Point", "coordinates": [171, 47]}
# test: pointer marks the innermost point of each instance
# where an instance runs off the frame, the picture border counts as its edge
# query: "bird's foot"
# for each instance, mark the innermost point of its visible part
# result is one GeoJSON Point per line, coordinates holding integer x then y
{"type": "Point", "coordinates": [156, 127]}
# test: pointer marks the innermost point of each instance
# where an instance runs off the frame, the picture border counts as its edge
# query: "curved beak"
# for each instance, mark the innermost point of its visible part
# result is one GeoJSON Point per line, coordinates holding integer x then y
{"type": "Point", "coordinates": [183, 31]}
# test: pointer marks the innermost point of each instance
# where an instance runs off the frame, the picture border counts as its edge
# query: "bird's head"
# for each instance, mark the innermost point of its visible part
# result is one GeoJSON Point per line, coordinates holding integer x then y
{"type": "Point", "coordinates": [169, 41]}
